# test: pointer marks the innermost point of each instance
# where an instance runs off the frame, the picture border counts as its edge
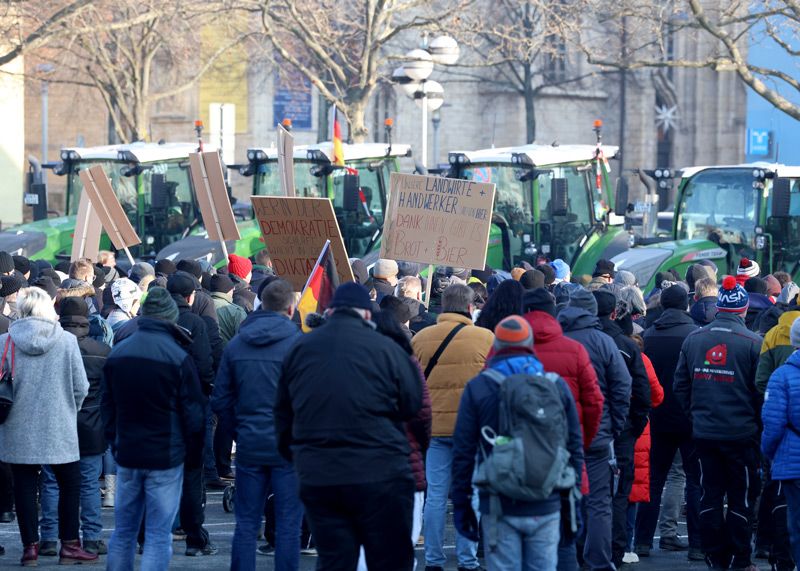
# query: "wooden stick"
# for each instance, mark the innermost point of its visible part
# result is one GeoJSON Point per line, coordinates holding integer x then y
{"type": "Point", "coordinates": [428, 286]}
{"type": "Point", "coordinates": [128, 253]}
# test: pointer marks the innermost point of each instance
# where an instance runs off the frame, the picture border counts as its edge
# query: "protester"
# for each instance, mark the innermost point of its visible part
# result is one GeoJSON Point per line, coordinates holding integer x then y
{"type": "Point", "coordinates": [504, 301]}
{"type": "Point", "coordinates": [384, 277]}
{"type": "Point", "coordinates": [670, 430]}
{"type": "Point", "coordinates": [580, 323]}
{"type": "Point", "coordinates": [409, 289]}
{"type": "Point", "coordinates": [604, 272]}
{"type": "Point", "coordinates": [244, 399]}
{"type": "Point", "coordinates": [704, 306]}
{"type": "Point", "coordinates": [786, 301]}
{"type": "Point", "coordinates": [42, 427]}
{"type": "Point", "coordinates": [451, 353]}
{"type": "Point", "coordinates": [9, 288]}
{"type": "Point", "coordinates": [126, 295]}
{"type": "Point", "coordinates": [240, 270]}
{"type": "Point", "coordinates": [165, 268]}
{"type": "Point", "coordinates": [532, 279]}
{"type": "Point", "coordinates": [154, 420]}
{"type": "Point", "coordinates": [780, 440]}
{"type": "Point", "coordinates": [229, 315]}
{"type": "Point", "coordinates": [715, 386]}
{"type": "Point", "coordinates": [747, 269]}
{"type": "Point", "coordinates": [517, 534]}
{"type": "Point", "coordinates": [139, 270]}
{"type": "Point", "coordinates": [343, 394]}
{"type": "Point", "coordinates": [760, 302]}
{"type": "Point", "coordinates": [395, 308]}
{"type": "Point", "coordinates": [562, 271]}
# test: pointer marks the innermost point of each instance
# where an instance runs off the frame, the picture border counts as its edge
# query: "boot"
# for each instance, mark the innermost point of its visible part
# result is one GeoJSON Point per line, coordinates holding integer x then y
{"type": "Point", "coordinates": [30, 555]}
{"type": "Point", "coordinates": [111, 490]}
{"type": "Point", "coordinates": [73, 554]}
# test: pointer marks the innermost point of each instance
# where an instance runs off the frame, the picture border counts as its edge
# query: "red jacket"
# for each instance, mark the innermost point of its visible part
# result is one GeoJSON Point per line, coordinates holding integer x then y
{"type": "Point", "coordinates": [640, 492]}
{"type": "Point", "coordinates": [568, 358]}
{"type": "Point", "coordinates": [418, 432]}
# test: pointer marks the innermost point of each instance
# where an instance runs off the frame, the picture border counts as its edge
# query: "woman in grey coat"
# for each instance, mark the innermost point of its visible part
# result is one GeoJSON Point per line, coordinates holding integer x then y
{"type": "Point", "coordinates": [42, 428]}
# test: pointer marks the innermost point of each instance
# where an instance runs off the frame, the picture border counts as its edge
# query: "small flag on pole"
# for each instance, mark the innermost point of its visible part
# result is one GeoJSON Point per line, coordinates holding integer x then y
{"type": "Point", "coordinates": [338, 151]}
{"type": "Point", "coordinates": [323, 281]}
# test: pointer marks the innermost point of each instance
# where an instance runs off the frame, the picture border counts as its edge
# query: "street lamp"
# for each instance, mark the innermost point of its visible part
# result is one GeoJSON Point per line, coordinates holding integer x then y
{"type": "Point", "coordinates": [413, 76]}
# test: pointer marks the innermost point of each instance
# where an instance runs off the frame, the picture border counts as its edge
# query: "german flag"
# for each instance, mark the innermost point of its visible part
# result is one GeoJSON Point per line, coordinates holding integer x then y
{"type": "Point", "coordinates": [320, 286]}
{"type": "Point", "coordinates": [338, 151]}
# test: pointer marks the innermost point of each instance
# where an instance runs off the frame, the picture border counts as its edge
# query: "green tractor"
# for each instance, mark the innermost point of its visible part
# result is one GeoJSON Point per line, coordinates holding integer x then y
{"type": "Point", "coordinates": [725, 213]}
{"type": "Point", "coordinates": [551, 202]}
{"type": "Point", "coordinates": [359, 192]}
{"type": "Point", "coordinates": [151, 181]}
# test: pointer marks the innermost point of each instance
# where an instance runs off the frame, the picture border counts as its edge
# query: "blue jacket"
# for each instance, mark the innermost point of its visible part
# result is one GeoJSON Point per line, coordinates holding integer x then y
{"type": "Point", "coordinates": [244, 392]}
{"type": "Point", "coordinates": [479, 408]}
{"type": "Point", "coordinates": [780, 440]}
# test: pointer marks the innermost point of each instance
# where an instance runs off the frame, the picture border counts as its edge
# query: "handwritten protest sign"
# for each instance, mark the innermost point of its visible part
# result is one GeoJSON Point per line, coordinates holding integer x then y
{"type": "Point", "coordinates": [294, 231]}
{"type": "Point", "coordinates": [435, 220]}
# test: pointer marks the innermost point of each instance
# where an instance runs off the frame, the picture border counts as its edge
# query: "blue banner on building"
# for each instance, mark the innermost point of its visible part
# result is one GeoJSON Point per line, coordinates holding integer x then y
{"type": "Point", "coordinates": [758, 142]}
{"type": "Point", "coordinates": [292, 100]}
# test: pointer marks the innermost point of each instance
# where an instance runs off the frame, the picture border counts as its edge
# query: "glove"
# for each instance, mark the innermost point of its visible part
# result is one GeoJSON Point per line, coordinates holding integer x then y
{"type": "Point", "coordinates": [465, 521]}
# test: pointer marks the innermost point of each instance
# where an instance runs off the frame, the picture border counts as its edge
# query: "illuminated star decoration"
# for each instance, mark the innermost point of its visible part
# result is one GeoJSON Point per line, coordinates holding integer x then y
{"type": "Point", "coordinates": [666, 117]}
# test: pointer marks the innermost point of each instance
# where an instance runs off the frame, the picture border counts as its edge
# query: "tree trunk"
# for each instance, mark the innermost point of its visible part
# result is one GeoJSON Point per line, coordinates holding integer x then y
{"type": "Point", "coordinates": [530, 108]}
{"type": "Point", "coordinates": [357, 120]}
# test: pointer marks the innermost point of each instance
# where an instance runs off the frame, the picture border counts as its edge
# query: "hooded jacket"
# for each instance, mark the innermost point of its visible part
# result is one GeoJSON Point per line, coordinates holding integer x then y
{"type": "Point", "coordinates": [704, 310]}
{"type": "Point", "coordinates": [612, 374]}
{"type": "Point", "coordinates": [421, 318]}
{"type": "Point", "coordinates": [770, 318]}
{"type": "Point", "coordinates": [780, 440]}
{"type": "Point", "coordinates": [91, 439]}
{"type": "Point", "coordinates": [776, 349]}
{"type": "Point", "coordinates": [204, 307]}
{"type": "Point", "coordinates": [243, 296]}
{"type": "Point", "coordinates": [247, 380]}
{"type": "Point", "coordinates": [715, 380]}
{"type": "Point", "coordinates": [560, 354]}
{"type": "Point", "coordinates": [759, 304]}
{"type": "Point", "coordinates": [229, 315]}
{"type": "Point", "coordinates": [662, 345]}
{"type": "Point", "coordinates": [49, 388]}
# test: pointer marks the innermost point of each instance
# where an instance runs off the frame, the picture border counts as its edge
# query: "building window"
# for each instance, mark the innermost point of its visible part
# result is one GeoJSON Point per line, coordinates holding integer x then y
{"type": "Point", "coordinates": [555, 59]}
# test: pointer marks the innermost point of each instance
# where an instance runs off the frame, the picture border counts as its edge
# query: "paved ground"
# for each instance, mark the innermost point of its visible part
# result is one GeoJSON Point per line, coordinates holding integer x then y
{"type": "Point", "coordinates": [220, 525]}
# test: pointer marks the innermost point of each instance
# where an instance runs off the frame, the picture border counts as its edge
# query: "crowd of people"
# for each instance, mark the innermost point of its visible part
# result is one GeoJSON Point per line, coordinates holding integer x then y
{"type": "Point", "coordinates": [567, 418]}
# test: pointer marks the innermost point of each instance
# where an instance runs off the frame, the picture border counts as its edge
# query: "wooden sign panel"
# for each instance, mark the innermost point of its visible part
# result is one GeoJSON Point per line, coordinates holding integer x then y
{"type": "Point", "coordinates": [86, 239]}
{"type": "Point", "coordinates": [439, 221]}
{"type": "Point", "coordinates": [212, 196]}
{"type": "Point", "coordinates": [295, 230]}
{"type": "Point", "coordinates": [106, 206]}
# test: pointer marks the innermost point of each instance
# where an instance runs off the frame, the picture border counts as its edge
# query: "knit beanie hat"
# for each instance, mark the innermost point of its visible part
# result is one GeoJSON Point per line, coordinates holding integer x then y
{"type": "Point", "coordinates": [239, 266]}
{"type": "Point", "coordinates": [166, 267]}
{"type": "Point", "coordinates": [583, 299]}
{"type": "Point", "coordinates": [73, 306]}
{"type": "Point", "coordinates": [190, 267]}
{"type": "Point", "coordinates": [549, 273]}
{"type": "Point", "coordinates": [99, 277]}
{"type": "Point", "coordinates": [532, 279]}
{"type": "Point", "coordinates": [625, 278]}
{"type": "Point", "coordinates": [513, 331]}
{"type": "Point", "coordinates": [46, 283]}
{"type": "Point", "coordinates": [748, 268]}
{"type": "Point", "coordinates": [22, 264]}
{"type": "Point", "coordinates": [561, 268]}
{"type": "Point", "coordinates": [789, 293]}
{"type": "Point", "coordinates": [606, 302]}
{"type": "Point", "coordinates": [394, 306]}
{"type": "Point", "coordinates": [360, 271]}
{"type": "Point", "coordinates": [220, 283]}
{"type": "Point", "coordinates": [10, 285]}
{"type": "Point", "coordinates": [539, 300]}
{"type": "Point", "coordinates": [140, 270]}
{"type": "Point", "coordinates": [181, 283]}
{"type": "Point", "coordinates": [732, 297]}
{"type": "Point", "coordinates": [604, 267]}
{"type": "Point", "coordinates": [675, 297]}
{"type": "Point", "coordinates": [353, 295]}
{"type": "Point", "coordinates": [159, 305]}
{"type": "Point", "coordinates": [125, 293]}
{"type": "Point", "coordinates": [6, 263]}
{"type": "Point", "coordinates": [773, 285]}
{"type": "Point", "coordinates": [794, 334]}
{"type": "Point", "coordinates": [386, 269]}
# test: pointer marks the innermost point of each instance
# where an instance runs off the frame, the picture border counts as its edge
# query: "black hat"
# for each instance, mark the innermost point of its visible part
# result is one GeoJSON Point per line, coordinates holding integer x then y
{"type": "Point", "coordinates": [353, 295]}
{"type": "Point", "coordinates": [181, 283]}
{"type": "Point", "coordinates": [50, 273]}
{"type": "Point", "coordinates": [360, 271]}
{"type": "Point", "coordinates": [6, 263]}
{"type": "Point", "coordinates": [63, 266]}
{"type": "Point", "coordinates": [606, 302]}
{"type": "Point", "coordinates": [549, 273]}
{"type": "Point", "coordinates": [407, 269]}
{"type": "Point", "coordinates": [604, 267]}
{"type": "Point", "coordinates": [395, 307]}
{"type": "Point", "coordinates": [99, 276]}
{"type": "Point", "coordinates": [22, 264]}
{"type": "Point", "coordinates": [11, 284]}
{"type": "Point", "coordinates": [46, 283]}
{"type": "Point", "coordinates": [73, 306]}
{"type": "Point", "coordinates": [539, 299]}
{"type": "Point", "coordinates": [220, 283]}
{"type": "Point", "coordinates": [675, 297]}
{"type": "Point", "coordinates": [190, 267]}
{"type": "Point", "coordinates": [532, 279]}
{"type": "Point", "coordinates": [166, 267]}
{"type": "Point", "coordinates": [755, 285]}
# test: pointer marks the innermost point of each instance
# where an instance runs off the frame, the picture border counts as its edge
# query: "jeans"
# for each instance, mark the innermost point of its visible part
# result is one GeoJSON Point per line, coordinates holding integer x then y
{"type": "Point", "coordinates": [567, 548]}
{"type": "Point", "coordinates": [672, 499]}
{"type": "Point", "coordinates": [438, 464]}
{"type": "Point", "coordinates": [26, 479]}
{"type": "Point", "coordinates": [524, 543]}
{"type": "Point", "coordinates": [597, 544]}
{"type": "Point", "coordinates": [791, 489]}
{"type": "Point", "coordinates": [109, 464]}
{"type": "Point", "coordinates": [156, 495]}
{"type": "Point", "coordinates": [209, 462]}
{"type": "Point", "coordinates": [253, 483]}
{"type": "Point", "coordinates": [376, 515]}
{"type": "Point", "coordinates": [91, 516]}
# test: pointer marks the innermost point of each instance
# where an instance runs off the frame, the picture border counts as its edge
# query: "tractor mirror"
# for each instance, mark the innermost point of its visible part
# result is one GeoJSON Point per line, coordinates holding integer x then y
{"type": "Point", "coordinates": [559, 198]}
{"type": "Point", "coordinates": [350, 193]}
{"type": "Point", "coordinates": [621, 197]}
{"type": "Point", "coordinates": [781, 197]}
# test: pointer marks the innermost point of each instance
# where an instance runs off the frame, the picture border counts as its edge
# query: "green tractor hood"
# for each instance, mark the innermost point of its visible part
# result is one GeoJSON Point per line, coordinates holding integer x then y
{"type": "Point", "coordinates": [41, 240]}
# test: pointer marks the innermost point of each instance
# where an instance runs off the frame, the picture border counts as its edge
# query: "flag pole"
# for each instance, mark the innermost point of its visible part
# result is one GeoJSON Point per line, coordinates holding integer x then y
{"type": "Point", "coordinates": [428, 287]}
{"type": "Point", "coordinates": [308, 281]}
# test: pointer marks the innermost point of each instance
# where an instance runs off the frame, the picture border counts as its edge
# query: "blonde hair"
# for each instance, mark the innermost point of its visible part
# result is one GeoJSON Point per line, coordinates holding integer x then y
{"type": "Point", "coordinates": [105, 256]}
{"type": "Point", "coordinates": [144, 283]}
{"type": "Point", "coordinates": [705, 287]}
{"type": "Point", "coordinates": [409, 286]}
{"type": "Point", "coordinates": [82, 269]}
{"type": "Point", "coordinates": [34, 302]}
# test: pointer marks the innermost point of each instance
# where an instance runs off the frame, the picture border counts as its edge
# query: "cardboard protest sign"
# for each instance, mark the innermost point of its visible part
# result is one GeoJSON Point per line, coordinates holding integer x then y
{"type": "Point", "coordinates": [212, 196]}
{"type": "Point", "coordinates": [440, 221]}
{"type": "Point", "coordinates": [286, 161]}
{"type": "Point", "coordinates": [295, 231]}
{"type": "Point", "coordinates": [86, 239]}
{"type": "Point", "coordinates": [106, 206]}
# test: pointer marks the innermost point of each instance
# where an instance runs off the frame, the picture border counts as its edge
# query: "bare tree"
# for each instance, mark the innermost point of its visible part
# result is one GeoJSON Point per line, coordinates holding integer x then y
{"type": "Point", "coordinates": [724, 27]}
{"type": "Point", "coordinates": [343, 47]}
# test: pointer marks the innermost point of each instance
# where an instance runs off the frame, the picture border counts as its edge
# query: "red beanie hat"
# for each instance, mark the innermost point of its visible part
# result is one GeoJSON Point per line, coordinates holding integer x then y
{"type": "Point", "coordinates": [239, 266]}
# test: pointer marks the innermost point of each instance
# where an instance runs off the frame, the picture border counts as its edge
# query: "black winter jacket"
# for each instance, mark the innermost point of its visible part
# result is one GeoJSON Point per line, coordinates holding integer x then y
{"type": "Point", "coordinates": [641, 401]}
{"type": "Point", "coordinates": [704, 310]}
{"type": "Point", "coordinates": [200, 348]}
{"type": "Point", "coordinates": [153, 408]}
{"type": "Point", "coordinates": [344, 393]}
{"type": "Point", "coordinates": [91, 439]}
{"type": "Point", "coordinates": [204, 307]}
{"type": "Point", "coordinates": [715, 380]}
{"type": "Point", "coordinates": [243, 296]}
{"type": "Point", "coordinates": [662, 345]}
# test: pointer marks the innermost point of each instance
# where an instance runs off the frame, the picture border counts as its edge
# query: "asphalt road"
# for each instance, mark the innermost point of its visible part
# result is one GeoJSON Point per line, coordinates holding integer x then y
{"type": "Point", "coordinates": [220, 525]}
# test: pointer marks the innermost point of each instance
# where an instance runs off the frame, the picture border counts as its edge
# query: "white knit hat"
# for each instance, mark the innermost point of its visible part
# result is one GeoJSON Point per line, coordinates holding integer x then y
{"type": "Point", "coordinates": [125, 293]}
{"type": "Point", "coordinates": [748, 267]}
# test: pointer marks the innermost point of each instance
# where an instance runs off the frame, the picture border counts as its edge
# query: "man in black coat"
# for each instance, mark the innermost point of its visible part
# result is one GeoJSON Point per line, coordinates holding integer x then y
{"type": "Point", "coordinates": [640, 404]}
{"type": "Point", "coordinates": [670, 428]}
{"type": "Point", "coordinates": [343, 396]}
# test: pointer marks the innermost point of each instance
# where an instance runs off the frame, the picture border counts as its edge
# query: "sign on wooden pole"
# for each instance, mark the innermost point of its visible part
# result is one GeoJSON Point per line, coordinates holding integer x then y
{"type": "Point", "coordinates": [286, 161]}
{"type": "Point", "coordinates": [212, 198]}
{"type": "Point", "coordinates": [86, 239]}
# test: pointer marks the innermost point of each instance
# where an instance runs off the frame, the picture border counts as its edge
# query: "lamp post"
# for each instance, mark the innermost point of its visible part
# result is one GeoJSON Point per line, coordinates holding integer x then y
{"type": "Point", "coordinates": [413, 80]}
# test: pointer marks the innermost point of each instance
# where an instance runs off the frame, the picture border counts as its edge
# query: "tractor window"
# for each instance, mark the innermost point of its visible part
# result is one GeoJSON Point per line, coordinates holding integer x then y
{"type": "Point", "coordinates": [722, 201]}
{"type": "Point", "coordinates": [267, 181]}
{"type": "Point", "coordinates": [786, 232]}
{"type": "Point", "coordinates": [564, 225]}
{"type": "Point", "coordinates": [169, 205]}
{"type": "Point", "coordinates": [360, 226]}
{"type": "Point", "coordinates": [512, 197]}
{"type": "Point", "coordinates": [124, 188]}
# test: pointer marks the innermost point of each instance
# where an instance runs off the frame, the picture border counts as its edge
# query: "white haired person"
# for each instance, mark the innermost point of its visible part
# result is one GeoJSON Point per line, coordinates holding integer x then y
{"type": "Point", "coordinates": [42, 426]}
